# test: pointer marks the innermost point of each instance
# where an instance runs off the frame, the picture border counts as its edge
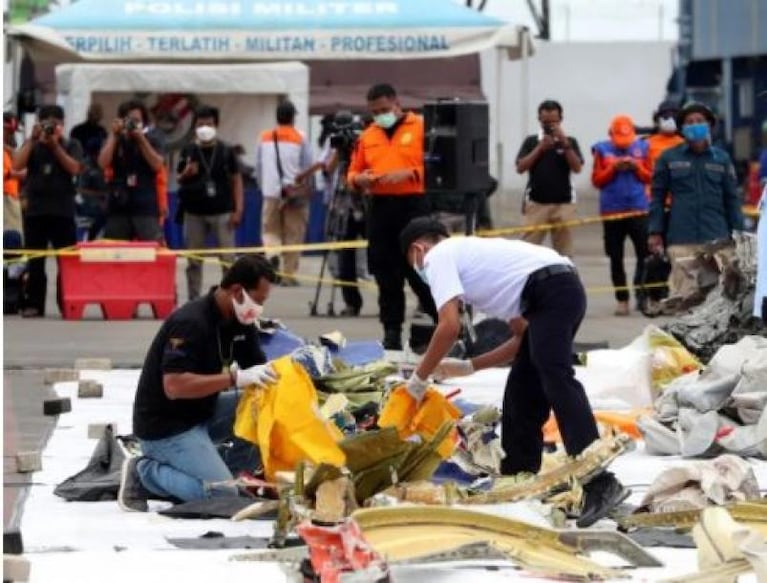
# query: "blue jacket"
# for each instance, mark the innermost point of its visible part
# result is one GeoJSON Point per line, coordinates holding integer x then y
{"type": "Point", "coordinates": [705, 205]}
{"type": "Point", "coordinates": [621, 190]}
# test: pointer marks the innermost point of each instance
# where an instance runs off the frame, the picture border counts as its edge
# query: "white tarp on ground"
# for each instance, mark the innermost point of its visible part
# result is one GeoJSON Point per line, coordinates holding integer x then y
{"type": "Point", "coordinates": [96, 541]}
{"type": "Point", "coordinates": [131, 30]}
{"type": "Point", "coordinates": [247, 94]}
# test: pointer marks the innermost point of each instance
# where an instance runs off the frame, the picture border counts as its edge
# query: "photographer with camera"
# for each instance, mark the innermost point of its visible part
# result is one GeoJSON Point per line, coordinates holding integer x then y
{"type": "Point", "coordinates": [52, 163]}
{"type": "Point", "coordinates": [388, 165]}
{"type": "Point", "coordinates": [550, 158]}
{"type": "Point", "coordinates": [133, 154]}
{"type": "Point", "coordinates": [345, 219]}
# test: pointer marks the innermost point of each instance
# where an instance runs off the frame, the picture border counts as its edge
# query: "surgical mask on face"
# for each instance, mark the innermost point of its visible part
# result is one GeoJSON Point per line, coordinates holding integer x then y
{"type": "Point", "coordinates": [385, 120]}
{"type": "Point", "coordinates": [697, 132]}
{"type": "Point", "coordinates": [247, 312]}
{"type": "Point", "coordinates": [667, 125]}
{"type": "Point", "coordinates": [205, 133]}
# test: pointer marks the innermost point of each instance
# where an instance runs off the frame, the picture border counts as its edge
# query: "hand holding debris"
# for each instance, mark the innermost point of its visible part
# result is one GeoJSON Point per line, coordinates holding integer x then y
{"type": "Point", "coordinates": [452, 367]}
{"type": "Point", "coordinates": [260, 375]}
{"type": "Point", "coordinates": [416, 386]}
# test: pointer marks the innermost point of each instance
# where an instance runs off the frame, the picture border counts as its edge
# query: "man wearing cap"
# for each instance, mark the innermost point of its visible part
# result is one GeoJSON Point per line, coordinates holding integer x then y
{"type": "Point", "coordinates": [621, 170]}
{"type": "Point", "coordinates": [183, 408]}
{"type": "Point", "coordinates": [540, 294]}
{"type": "Point", "coordinates": [704, 207]}
{"type": "Point", "coordinates": [283, 153]}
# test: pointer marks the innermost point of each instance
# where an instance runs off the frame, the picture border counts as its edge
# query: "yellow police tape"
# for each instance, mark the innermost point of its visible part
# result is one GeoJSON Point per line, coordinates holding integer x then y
{"type": "Point", "coordinates": [201, 254]}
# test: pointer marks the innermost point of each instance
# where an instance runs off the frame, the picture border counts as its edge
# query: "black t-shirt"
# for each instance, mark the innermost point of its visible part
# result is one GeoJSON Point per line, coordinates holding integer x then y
{"type": "Point", "coordinates": [49, 188]}
{"type": "Point", "coordinates": [134, 175]}
{"type": "Point", "coordinates": [193, 339]}
{"type": "Point", "coordinates": [549, 178]}
{"type": "Point", "coordinates": [90, 135]}
{"type": "Point", "coordinates": [216, 165]}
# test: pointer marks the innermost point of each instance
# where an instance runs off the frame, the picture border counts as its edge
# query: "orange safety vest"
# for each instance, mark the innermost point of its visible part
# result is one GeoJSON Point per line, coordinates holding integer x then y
{"type": "Point", "coordinates": [376, 152]}
{"type": "Point", "coordinates": [10, 182]}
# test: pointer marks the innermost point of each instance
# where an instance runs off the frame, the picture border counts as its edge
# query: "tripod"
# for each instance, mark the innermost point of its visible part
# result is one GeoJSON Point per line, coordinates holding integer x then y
{"type": "Point", "coordinates": [336, 222]}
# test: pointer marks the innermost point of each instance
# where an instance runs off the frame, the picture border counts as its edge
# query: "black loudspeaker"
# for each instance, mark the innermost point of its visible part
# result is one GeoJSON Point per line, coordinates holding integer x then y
{"type": "Point", "coordinates": [456, 146]}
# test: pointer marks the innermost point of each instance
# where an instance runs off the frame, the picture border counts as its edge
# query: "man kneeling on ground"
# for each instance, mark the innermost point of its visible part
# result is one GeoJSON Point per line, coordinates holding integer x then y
{"type": "Point", "coordinates": [184, 407]}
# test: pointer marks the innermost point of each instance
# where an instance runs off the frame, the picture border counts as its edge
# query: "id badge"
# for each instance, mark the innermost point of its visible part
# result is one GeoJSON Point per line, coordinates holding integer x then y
{"type": "Point", "coordinates": [47, 169]}
{"type": "Point", "coordinates": [210, 188]}
{"type": "Point", "coordinates": [132, 181]}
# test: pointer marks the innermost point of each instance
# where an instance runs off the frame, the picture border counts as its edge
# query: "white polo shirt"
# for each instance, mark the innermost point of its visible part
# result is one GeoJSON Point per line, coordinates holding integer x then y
{"type": "Point", "coordinates": [489, 274]}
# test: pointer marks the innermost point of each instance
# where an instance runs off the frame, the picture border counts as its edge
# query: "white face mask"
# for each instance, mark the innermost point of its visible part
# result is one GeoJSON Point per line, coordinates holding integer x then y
{"type": "Point", "coordinates": [667, 125]}
{"type": "Point", "coordinates": [247, 312]}
{"type": "Point", "coordinates": [205, 133]}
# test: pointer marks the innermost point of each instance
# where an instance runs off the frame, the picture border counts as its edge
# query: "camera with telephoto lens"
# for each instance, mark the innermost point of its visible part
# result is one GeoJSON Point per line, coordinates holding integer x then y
{"type": "Point", "coordinates": [48, 127]}
{"type": "Point", "coordinates": [130, 124]}
{"type": "Point", "coordinates": [344, 132]}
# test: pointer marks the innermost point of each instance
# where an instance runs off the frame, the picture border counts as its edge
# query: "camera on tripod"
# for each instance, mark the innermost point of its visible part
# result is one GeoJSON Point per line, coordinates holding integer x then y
{"type": "Point", "coordinates": [344, 132]}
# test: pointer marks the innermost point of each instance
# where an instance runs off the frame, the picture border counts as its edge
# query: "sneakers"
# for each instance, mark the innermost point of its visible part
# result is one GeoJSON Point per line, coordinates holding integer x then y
{"type": "Point", "coordinates": [132, 496]}
{"type": "Point", "coordinates": [602, 495]}
{"type": "Point", "coordinates": [350, 312]}
{"type": "Point", "coordinates": [622, 309]}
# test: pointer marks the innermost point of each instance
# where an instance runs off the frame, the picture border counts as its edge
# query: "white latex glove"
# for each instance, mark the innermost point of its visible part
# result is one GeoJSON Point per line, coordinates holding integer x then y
{"type": "Point", "coordinates": [416, 386]}
{"type": "Point", "coordinates": [452, 367]}
{"type": "Point", "coordinates": [259, 375]}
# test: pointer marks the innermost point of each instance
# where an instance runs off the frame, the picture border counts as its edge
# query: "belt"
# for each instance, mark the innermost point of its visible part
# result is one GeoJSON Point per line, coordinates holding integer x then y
{"type": "Point", "coordinates": [542, 274]}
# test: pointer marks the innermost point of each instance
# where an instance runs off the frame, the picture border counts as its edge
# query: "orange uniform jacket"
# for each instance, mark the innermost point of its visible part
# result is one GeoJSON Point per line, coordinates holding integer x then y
{"type": "Point", "coordinates": [10, 183]}
{"type": "Point", "coordinates": [657, 144]}
{"type": "Point", "coordinates": [376, 152]}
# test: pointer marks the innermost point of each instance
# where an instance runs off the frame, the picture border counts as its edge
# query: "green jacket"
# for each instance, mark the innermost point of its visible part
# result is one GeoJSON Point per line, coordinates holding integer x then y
{"type": "Point", "coordinates": [705, 205]}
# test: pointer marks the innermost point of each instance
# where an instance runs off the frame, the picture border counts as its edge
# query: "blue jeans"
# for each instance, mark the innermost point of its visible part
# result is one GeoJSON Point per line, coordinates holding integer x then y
{"type": "Point", "coordinates": [186, 466]}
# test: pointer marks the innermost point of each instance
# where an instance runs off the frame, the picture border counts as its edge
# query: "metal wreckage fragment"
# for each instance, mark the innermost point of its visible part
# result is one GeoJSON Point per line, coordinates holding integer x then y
{"type": "Point", "coordinates": [378, 460]}
{"type": "Point", "coordinates": [406, 534]}
{"type": "Point", "coordinates": [753, 512]}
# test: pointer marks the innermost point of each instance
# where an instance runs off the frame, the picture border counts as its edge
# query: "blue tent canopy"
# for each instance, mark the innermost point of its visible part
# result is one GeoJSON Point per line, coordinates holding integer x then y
{"type": "Point", "coordinates": [264, 30]}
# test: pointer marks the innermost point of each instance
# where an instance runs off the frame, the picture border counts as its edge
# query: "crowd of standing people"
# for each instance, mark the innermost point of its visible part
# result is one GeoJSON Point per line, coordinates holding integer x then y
{"type": "Point", "coordinates": [670, 192]}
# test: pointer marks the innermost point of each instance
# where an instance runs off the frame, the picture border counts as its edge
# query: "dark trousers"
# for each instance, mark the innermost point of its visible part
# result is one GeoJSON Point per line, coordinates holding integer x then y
{"type": "Point", "coordinates": [542, 377]}
{"type": "Point", "coordinates": [388, 216]}
{"type": "Point", "coordinates": [39, 232]}
{"type": "Point", "coordinates": [347, 263]}
{"type": "Point", "coordinates": [615, 233]}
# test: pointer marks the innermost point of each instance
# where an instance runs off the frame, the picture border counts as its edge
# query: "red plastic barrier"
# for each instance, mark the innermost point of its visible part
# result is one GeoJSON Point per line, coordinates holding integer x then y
{"type": "Point", "coordinates": [118, 276]}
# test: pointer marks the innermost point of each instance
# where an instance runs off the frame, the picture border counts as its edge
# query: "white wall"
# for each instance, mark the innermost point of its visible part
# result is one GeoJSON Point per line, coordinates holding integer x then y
{"type": "Point", "coordinates": [592, 81]}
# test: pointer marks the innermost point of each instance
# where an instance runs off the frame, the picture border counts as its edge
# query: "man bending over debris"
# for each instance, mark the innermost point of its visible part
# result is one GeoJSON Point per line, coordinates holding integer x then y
{"type": "Point", "coordinates": [183, 407]}
{"type": "Point", "coordinates": [517, 282]}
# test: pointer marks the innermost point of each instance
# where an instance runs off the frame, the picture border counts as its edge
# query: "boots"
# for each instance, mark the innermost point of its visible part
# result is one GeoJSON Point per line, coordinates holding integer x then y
{"type": "Point", "coordinates": [392, 339]}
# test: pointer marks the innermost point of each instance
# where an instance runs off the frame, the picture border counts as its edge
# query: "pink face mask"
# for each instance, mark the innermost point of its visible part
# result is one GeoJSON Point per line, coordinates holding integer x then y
{"type": "Point", "coordinates": [247, 312]}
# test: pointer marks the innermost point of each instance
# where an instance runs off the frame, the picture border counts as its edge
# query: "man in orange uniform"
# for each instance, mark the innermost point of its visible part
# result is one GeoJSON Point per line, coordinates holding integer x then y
{"type": "Point", "coordinates": [667, 134]}
{"type": "Point", "coordinates": [387, 164]}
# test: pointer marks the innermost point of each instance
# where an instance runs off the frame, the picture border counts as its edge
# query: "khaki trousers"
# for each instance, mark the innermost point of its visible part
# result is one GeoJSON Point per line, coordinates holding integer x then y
{"type": "Point", "coordinates": [12, 214]}
{"type": "Point", "coordinates": [283, 224]}
{"type": "Point", "coordinates": [550, 214]}
{"type": "Point", "coordinates": [196, 231]}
